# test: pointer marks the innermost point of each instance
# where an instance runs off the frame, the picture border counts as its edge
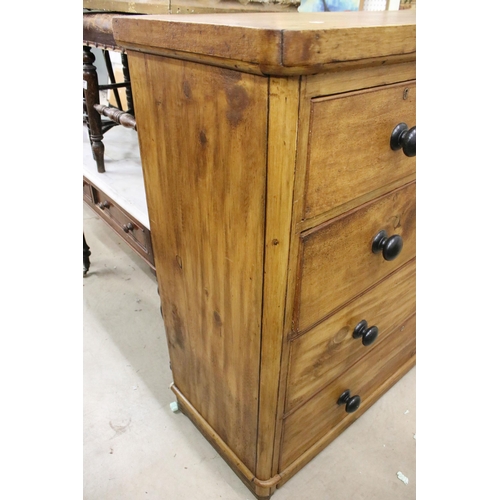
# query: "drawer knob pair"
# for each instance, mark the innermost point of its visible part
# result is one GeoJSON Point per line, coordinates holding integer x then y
{"type": "Point", "coordinates": [368, 335]}
{"type": "Point", "coordinates": [405, 138]}
{"type": "Point", "coordinates": [389, 246]}
{"type": "Point", "coordinates": [128, 227]}
{"type": "Point", "coordinates": [103, 204]}
{"type": "Point", "coordinates": [351, 403]}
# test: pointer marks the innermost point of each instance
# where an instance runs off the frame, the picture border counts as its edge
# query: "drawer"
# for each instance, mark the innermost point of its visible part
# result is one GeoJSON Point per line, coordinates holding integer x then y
{"type": "Point", "coordinates": [87, 192]}
{"type": "Point", "coordinates": [131, 230]}
{"type": "Point", "coordinates": [337, 263]}
{"type": "Point", "coordinates": [311, 421]}
{"type": "Point", "coordinates": [349, 153]}
{"type": "Point", "coordinates": [322, 354]}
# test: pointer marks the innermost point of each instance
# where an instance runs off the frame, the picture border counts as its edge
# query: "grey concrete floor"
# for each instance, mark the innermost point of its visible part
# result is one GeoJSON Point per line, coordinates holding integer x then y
{"type": "Point", "coordinates": [135, 447]}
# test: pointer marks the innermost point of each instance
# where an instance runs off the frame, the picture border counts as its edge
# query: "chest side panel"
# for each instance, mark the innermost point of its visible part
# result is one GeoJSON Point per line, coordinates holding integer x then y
{"type": "Point", "coordinates": [203, 137]}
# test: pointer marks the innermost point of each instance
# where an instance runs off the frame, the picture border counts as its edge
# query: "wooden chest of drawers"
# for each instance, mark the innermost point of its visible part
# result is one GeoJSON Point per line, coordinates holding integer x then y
{"type": "Point", "coordinates": [278, 157]}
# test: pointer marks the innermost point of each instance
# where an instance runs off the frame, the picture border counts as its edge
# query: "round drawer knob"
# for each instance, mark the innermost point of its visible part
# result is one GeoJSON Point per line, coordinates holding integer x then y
{"type": "Point", "coordinates": [368, 335]}
{"type": "Point", "coordinates": [128, 227]}
{"type": "Point", "coordinates": [390, 247]}
{"type": "Point", "coordinates": [103, 204]}
{"type": "Point", "coordinates": [351, 403]}
{"type": "Point", "coordinates": [405, 138]}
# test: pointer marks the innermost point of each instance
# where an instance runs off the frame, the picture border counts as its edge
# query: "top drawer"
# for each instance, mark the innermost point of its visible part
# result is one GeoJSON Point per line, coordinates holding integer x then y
{"type": "Point", "coordinates": [349, 153]}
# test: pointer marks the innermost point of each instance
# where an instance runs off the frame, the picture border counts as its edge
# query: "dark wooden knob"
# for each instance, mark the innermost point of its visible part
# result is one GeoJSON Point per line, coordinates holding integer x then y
{"type": "Point", "coordinates": [103, 204]}
{"type": "Point", "coordinates": [128, 227]}
{"type": "Point", "coordinates": [368, 335]}
{"type": "Point", "coordinates": [405, 138]}
{"type": "Point", "coordinates": [351, 403]}
{"type": "Point", "coordinates": [389, 246]}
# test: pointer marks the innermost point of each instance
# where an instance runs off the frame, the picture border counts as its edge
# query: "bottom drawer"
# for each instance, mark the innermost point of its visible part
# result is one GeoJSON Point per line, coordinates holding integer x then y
{"type": "Point", "coordinates": [130, 229]}
{"type": "Point", "coordinates": [311, 421]}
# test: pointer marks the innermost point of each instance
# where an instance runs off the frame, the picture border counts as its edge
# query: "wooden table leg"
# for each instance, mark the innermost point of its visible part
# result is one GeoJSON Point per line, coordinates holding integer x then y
{"type": "Point", "coordinates": [86, 255]}
{"type": "Point", "coordinates": [91, 90]}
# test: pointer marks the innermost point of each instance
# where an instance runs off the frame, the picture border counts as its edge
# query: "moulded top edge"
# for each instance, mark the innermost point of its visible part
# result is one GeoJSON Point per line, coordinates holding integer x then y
{"type": "Point", "coordinates": [272, 39]}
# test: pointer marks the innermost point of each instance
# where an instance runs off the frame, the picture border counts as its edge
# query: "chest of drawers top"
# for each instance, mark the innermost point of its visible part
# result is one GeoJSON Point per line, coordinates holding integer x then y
{"type": "Point", "coordinates": [275, 43]}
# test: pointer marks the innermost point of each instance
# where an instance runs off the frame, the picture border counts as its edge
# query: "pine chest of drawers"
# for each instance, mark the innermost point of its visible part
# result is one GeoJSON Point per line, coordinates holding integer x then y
{"type": "Point", "coordinates": [279, 161]}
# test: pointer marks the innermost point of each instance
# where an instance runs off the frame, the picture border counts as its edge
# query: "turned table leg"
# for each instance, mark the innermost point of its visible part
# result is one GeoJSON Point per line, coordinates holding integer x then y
{"type": "Point", "coordinates": [86, 255]}
{"type": "Point", "coordinates": [91, 90]}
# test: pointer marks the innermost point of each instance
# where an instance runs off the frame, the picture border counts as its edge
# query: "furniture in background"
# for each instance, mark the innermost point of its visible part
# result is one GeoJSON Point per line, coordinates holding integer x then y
{"type": "Point", "coordinates": [278, 158]}
{"type": "Point", "coordinates": [98, 34]}
{"type": "Point", "coordinates": [117, 195]}
{"type": "Point", "coordinates": [190, 6]}
{"type": "Point", "coordinates": [119, 199]}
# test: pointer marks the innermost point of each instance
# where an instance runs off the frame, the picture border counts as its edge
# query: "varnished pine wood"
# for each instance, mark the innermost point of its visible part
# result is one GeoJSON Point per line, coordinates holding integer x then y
{"type": "Point", "coordinates": [276, 40]}
{"type": "Point", "coordinates": [330, 84]}
{"type": "Point", "coordinates": [337, 260]}
{"type": "Point", "coordinates": [225, 154]}
{"type": "Point", "coordinates": [302, 225]}
{"type": "Point", "coordinates": [313, 420]}
{"type": "Point", "coordinates": [282, 139]}
{"type": "Point", "coordinates": [205, 186]}
{"type": "Point", "coordinates": [322, 443]}
{"type": "Point", "coordinates": [326, 84]}
{"type": "Point", "coordinates": [215, 439]}
{"type": "Point", "coordinates": [349, 151]}
{"type": "Point", "coordinates": [302, 134]}
{"type": "Point", "coordinates": [322, 354]}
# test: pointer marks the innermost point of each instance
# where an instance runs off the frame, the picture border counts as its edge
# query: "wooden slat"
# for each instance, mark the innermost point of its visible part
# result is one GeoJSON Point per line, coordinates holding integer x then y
{"type": "Point", "coordinates": [324, 84]}
{"type": "Point", "coordinates": [283, 107]}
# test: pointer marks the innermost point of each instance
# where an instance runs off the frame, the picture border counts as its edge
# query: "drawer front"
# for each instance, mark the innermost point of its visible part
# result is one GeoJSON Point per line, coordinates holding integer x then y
{"type": "Point", "coordinates": [134, 233]}
{"type": "Point", "coordinates": [322, 354]}
{"type": "Point", "coordinates": [313, 420]}
{"type": "Point", "coordinates": [337, 262]}
{"type": "Point", "coordinates": [87, 192]}
{"type": "Point", "coordinates": [349, 147]}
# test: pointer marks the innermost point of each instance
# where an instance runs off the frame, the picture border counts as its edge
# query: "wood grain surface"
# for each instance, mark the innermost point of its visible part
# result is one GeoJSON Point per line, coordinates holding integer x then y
{"type": "Point", "coordinates": [259, 302]}
{"type": "Point", "coordinates": [304, 427]}
{"type": "Point", "coordinates": [337, 260]}
{"type": "Point", "coordinates": [282, 144]}
{"type": "Point", "coordinates": [273, 40]}
{"type": "Point", "coordinates": [349, 151]}
{"type": "Point", "coordinates": [322, 354]}
{"type": "Point", "coordinates": [203, 140]}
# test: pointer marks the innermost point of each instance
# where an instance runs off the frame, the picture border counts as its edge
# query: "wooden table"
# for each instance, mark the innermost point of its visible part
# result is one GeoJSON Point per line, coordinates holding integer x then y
{"type": "Point", "coordinates": [188, 6]}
